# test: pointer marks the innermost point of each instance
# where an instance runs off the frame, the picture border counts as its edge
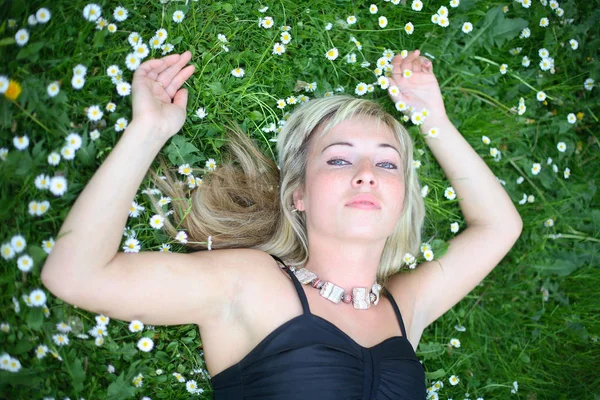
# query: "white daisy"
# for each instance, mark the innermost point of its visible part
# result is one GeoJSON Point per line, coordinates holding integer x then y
{"type": "Point", "coordinates": [42, 15]}
{"type": "Point", "coordinates": [120, 14]}
{"type": "Point", "coordinates": [22, 37]}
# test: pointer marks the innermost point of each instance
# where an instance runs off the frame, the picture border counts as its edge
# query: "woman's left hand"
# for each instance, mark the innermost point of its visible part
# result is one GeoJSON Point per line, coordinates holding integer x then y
{"type": "Point", "coordinates": [420, 90]}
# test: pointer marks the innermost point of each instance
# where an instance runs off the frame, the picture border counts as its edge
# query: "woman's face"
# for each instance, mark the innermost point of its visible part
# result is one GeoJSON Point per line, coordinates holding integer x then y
{"type": "Point", "coordinates": [357, 157]}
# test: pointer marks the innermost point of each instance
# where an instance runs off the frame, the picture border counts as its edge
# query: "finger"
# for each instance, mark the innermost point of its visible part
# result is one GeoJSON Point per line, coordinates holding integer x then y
{"type": "Point", "coordinates": [153, 67]}
{"type": "Point", "coordinates": [180, 79]}
{"type": "Point", "coordinates": [167, 75]}
{"type": "Point", "coordinates": [408, 62]}
{"type": "Point", "coordinates": [180, 99]}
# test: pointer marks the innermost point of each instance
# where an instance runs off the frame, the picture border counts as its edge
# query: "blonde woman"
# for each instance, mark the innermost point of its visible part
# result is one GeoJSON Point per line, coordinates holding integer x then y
{"type": "Point", "coordinates": [301, 296]}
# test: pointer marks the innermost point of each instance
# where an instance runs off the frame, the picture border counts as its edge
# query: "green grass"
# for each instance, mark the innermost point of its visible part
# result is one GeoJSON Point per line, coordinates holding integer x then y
{"type": "Point", "coordinates": [550, 347]}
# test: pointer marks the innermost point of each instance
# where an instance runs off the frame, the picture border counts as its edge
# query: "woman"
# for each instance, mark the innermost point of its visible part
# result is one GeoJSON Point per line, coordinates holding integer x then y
{"type": "Point", "coordinates": [335, 320]}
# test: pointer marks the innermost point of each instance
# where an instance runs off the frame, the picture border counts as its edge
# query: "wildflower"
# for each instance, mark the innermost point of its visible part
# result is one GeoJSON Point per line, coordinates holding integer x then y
{"type": "Point", "coordinates": [467, 27]}
{"type": "Point", "coordinates": [58, 185]}
{"type": "Point", "coordinates": [443, 21]}
{"type": "Point", "coordinates": [168, 47]}
{"type": "Point", "coordinates": [407, 73]}
{"type": "Point", "coordinates": [449, 193]}
{"type": "Point", "coordinates": [455, 342]}
{"type": "Point", "coordinates": [435, 18]}
{"type": "Point", "coordinates": [332, 54]}
{"type": "Point", "coordinates": [525, 62]}
{"type": "Point", "coordinates": [178, 16]}
{"type": "Point", "coordinates": [53, 159]}
{"type": "Point", "coordinates": [94, 113]}
{"type": "Point", "coordinates": [134, 38]}
{"type": "Point", "coordinates": [111, 107]}
{"type": "Point", "coordinates": [515, 388]}
{"type": "Point", "coordinates": [351, 58]}
{"type": "Point", "coordinates": [503, 68]}
{"type": "Point", "coordinates": [161, 35]}
{"type": "Point", "coordinates": [201, 112]}
{"type": "Point", "coordinates": [442, 11]}
{"type": "Point", "coordinates": [417, 118]}
{"type": "Point", "coordinates": [77, 82]}
{"type": "Point", "coordinates": [291, 100]}
{"type": "Point", "coordinates": [383, 22]}
{"type": "Point", "coordinates": [328, 26]}
{"type": "Point", "coordinates": [53, 89]}
{"type": "Point", "coordinates": [525, 33]}
{"type": "Point", "coordinates": [120, 14]}
{"type": "Point", "coordinates": [264, 9]}
{"type": "Point", "coordinates": [541, 96]}
{"type": "Point", "coordinates": [238, 72]}
{"type": "Point", "coordinates": [38, 298]}
{"type": "Point", "coordinates": [454, 3]}
{"type": "Point", "coordinates": [417, 5]}
{"type": "Point", "coordinates": [351, 20]}
{"type": "Point", "coordinates": [74, 141]}
{"type": "Point", "coordinates": [121, 124]}
{"type": "Point", "coordinates": [101, 23]}
{"type": "Point", "coordinates": [544, 22]}
{"type": "Point", "coordinates": [409, 28]}
{"type": "Point", "coordinates": [211, 164]}
{"type": "Point", "coordinates": [567, 173]}
{"type": "Point", "coordinates": [588, 84]}
{"type": "Point", "coordinates": [373, 9]}
{"type": "Point", "coordinates": [21, 142]}
{"type": "Point", "coordinates": [285, 37]}
{"type": "Point", "coordinates": [361, 89]}
{"type": "Point", "coordinates": [574, 44]}
{"type": "Point", "coordinates": [278, 48]}
{"type": "Point", "coordinates": [141, 50]}
{"type": "Point", "coordinates": [92, 12]}
{"type": "Point", "coordinates": [383, 82]}
{"type": "Point", "coordinates": [561, 146]}
{"type": "Point", "coordinates": [571, 118]}
{"type": "Point", "coordinates": [526, 3]}
{"type": "Point", "coordinates": [560, 12]}
{"type": "Point", "coordinates": [181, 237]}
{"type": "Point", "coordinates": [42, 15]}
{"type": "Point", "coordinates": [25, 263]}
{"type": "Point", "coordinates": [124, 88]}
{"type": "Point", "coordinates": [131, 245]}
{"type": "Point", "coordinates": [266, 22]}
{"type": "Point", "coordinates": [454, 227]}
{"type": "Point", "coordinates": [454, 380]}
{"type": "Point", "coordinates": [22, 37]}
{"type": "Point", "coordinates": [433, 132]}
{"type": "Point", "coordinates": [112, 28]}
{"type": "Point", "coordinates": [401, 106]}
{"type": "Point", "coordinates": [536, 168]}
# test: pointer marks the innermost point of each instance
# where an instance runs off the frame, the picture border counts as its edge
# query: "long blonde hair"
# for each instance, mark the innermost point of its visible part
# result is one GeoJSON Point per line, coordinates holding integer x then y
{"type": "Point", "coordinates": [247, 201]}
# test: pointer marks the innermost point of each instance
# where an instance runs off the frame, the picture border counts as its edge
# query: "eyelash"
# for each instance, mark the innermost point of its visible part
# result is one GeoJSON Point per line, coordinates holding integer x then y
{"type": "Point", "coordinates": [341, 159]}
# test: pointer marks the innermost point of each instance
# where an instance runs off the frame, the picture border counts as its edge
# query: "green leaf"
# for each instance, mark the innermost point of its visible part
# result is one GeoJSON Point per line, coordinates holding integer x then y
{"type": "Point", "coordinates": [435, 374]}
{"type": "Point", "coordinates": [30, 50]}
{"type": "Point", "coordinates": [162, 356]}
{"type": "Point", "coordinates": [216, 88]}
{"type": "Point", "coordinates": [181, 151]}
{"type": "Point", "coordinates": [7, 41]}
{"type": "Point", "coordinates": [35, 318]}
{"type": "Point", "coordinates": [77, 375]}
{"type": "Point", "coordinates": [430, 351]}
{"type": "Point", "coordinates": [120, 389]}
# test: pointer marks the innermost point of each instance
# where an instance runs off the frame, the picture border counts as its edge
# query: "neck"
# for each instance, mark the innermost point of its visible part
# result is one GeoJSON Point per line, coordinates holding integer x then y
{"type": "Point", "coordinates": [349, 265]}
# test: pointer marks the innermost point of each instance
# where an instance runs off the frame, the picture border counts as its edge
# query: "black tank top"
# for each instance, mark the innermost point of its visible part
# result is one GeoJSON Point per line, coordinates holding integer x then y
{"type": "Point", "coordinates": [310, 358]}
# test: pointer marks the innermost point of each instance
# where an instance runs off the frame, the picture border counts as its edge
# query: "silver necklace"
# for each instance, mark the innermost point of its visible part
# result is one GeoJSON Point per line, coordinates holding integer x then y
{"type": "Point", "coordinates": [361, 298]}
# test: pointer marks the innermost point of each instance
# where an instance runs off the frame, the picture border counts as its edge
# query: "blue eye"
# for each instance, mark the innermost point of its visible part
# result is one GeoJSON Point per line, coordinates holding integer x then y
{"type": "Point", "coordinates": [334, 161]}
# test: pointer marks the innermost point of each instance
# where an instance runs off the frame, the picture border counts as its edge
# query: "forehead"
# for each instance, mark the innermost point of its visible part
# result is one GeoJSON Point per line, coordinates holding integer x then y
{"type": "Point", "coordinates": [359, 128]}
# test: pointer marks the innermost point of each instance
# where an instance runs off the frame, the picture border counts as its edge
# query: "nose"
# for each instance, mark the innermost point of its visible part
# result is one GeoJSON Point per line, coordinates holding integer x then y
{"type": "Point", "coordinates": [365, 175]}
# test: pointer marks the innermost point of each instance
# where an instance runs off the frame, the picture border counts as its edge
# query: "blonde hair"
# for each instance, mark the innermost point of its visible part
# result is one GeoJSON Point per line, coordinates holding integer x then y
{"type": "Point", "coordinates": [247, 201]}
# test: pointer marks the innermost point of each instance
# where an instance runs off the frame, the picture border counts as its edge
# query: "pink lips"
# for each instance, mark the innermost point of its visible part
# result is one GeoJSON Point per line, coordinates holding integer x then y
{"type": "Point", "coordinates": [364, 201]}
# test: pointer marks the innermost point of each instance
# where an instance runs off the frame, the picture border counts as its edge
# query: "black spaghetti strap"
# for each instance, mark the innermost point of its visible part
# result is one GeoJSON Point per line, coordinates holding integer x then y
{"type": "Point", "coordinates": [397, 311]}
{"type": "Point", "coordinates": [297, 285]}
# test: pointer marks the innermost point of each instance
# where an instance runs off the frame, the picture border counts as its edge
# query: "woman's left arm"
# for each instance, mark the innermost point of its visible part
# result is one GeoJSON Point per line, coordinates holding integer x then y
{"type": "Point", "coordinates": [493, 222]}
{"type": "Point", "coordinates": [482, 199]}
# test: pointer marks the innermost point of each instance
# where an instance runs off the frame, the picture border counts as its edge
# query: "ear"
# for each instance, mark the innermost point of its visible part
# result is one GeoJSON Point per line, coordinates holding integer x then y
{"type": "Point", "coordinates": [298, 199]}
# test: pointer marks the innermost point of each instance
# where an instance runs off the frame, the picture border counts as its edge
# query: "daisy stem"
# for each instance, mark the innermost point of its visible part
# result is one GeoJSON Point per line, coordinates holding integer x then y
{"type": "Point", "coordinates": [568, 236]}
{"type": "Point", "coordinates": [32, 117]}
{"type": "Point", "coordinates": [487, 98]}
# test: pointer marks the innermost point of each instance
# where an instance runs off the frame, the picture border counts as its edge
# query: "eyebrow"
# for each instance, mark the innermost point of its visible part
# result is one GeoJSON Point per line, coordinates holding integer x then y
{"type": "Point", "coordinates": [351, 145]}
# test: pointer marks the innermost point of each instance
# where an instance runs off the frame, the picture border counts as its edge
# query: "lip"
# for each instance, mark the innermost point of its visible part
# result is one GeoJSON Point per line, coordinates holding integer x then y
{"type": "Point", "coordinates": [370, 201]}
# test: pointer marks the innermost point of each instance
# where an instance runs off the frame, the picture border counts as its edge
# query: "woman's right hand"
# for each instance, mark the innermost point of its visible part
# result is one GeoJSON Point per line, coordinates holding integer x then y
{"type": "Point", "coordinates": [157, 98]}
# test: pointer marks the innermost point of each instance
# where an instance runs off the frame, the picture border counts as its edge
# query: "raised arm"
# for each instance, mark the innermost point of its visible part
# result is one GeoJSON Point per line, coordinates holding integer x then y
{"type": "Point", "coordinates": [493, 222]}
{"type": "Point", "coordinates": [90, 235]}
